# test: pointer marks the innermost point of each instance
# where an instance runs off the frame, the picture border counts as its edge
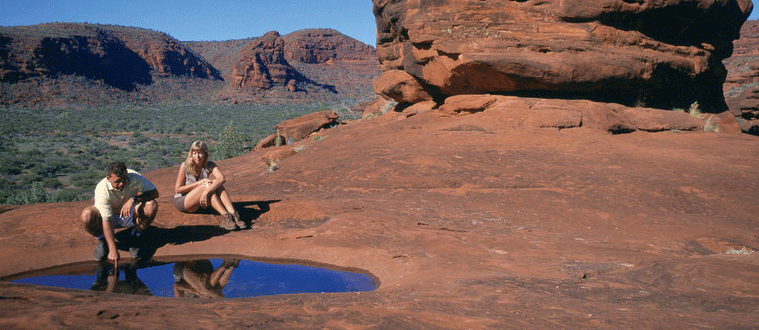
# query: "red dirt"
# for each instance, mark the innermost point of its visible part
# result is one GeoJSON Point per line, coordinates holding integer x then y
{"type": "Point", "coordinates": [465, 223]}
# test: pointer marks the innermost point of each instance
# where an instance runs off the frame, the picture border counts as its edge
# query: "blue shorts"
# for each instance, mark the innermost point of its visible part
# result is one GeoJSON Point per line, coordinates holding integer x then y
{"type": "Point", "coordinates": [123, 222]}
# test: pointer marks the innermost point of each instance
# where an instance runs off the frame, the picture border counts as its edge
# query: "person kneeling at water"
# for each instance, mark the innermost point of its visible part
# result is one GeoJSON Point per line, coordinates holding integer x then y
{"type": "Point", "coordinates": [124, 199]}
{"type": "Point", "coordinates": [200, 184]}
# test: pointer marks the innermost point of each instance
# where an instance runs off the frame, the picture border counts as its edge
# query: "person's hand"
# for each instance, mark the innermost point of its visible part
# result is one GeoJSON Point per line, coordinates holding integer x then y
{"type": "Point", "coordinates": [127, 207]}
{"type": "Point", "coordinates": [113, 255]}
{"type": "Point", "coordinates": [204, 199]}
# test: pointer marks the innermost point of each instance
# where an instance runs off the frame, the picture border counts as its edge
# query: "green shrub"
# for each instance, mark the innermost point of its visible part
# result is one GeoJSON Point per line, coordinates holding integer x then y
{"type": "Point", "coordinates": [70, 195]}
{"type": "Point", "coordinates": [231, 143]}
{"type": "Point", "coordinates": [36, 194]}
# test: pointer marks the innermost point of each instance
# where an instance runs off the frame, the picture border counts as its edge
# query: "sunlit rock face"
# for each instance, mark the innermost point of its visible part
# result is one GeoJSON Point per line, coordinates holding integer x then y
{"type": "Point", "coordinates": [317, 46]}
{"type": "Point", "coordinates": [657, 53]}
{"type": "Point", "coordinates": [121, 57]}
{"type": "Point", "coordinates": [262, 64]}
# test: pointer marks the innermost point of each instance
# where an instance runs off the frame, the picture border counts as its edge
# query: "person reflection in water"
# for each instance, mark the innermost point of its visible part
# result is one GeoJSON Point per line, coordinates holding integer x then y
{"type": "Point", "coordinates": [197, 278]}
{"type": "Point", "coordinates": [107, 279]}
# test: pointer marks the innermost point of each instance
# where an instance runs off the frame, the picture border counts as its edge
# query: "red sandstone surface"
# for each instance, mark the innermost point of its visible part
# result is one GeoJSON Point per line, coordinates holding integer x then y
{"type": "Point", "coordinates": [468, 221]}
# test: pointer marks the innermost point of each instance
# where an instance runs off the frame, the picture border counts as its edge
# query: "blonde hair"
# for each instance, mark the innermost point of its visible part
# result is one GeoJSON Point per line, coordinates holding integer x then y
{"type": "Point", "coordinates": [189, 165]}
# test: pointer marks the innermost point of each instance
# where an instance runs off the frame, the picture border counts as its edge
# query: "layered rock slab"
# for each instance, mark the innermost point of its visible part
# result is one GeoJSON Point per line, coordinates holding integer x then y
{"type": "Point", "coordinates": [663, 54]}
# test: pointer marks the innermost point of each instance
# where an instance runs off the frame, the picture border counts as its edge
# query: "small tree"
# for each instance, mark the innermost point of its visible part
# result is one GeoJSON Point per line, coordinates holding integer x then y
{"type": "Point", "coordinates": [231, 143]}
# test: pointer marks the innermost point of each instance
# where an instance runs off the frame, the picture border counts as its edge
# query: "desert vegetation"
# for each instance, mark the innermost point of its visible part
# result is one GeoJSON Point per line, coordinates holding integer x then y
{"type": "Point", "coordinates": [59, 154]}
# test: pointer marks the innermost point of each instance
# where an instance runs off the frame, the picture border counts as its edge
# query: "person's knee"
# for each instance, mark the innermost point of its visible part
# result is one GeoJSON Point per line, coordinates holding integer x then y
{"type": "Point", "coordinates": [86, 215]}
{"type": "Point", "coordinates": [90, 214]}
{"type": "Point", "coordinates": [92, 221]}
{"type": "Point", "coordinates": [151, 208]}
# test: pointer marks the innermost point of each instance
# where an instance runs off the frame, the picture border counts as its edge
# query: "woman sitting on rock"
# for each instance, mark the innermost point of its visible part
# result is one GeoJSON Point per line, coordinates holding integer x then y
{"type": "Point", "coordinates": [200, 184]}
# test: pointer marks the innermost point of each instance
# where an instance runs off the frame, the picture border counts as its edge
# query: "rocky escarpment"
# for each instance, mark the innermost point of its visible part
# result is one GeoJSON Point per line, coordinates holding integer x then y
{"type": "Point", "coordinates": [324, 45]}
{"type": "Point", "coordinates": [262, 64]}
{"type": "Point", "coordinates": [120, 57]}
{"type": "Point", "coordinates": [742, 84]}
{"type": "Point", "coordinates": [661, 54]}
{"type": "Point", "coordinates": [269, 61]}
{"type": "Point", "coordinates": [66, 64]}
{"type": "Point", "coordinates": [166, 55]}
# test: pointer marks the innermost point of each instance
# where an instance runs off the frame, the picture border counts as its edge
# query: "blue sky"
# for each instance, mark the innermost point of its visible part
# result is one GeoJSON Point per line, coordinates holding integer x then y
{"type": "Point", "coordinates": [194, 20]}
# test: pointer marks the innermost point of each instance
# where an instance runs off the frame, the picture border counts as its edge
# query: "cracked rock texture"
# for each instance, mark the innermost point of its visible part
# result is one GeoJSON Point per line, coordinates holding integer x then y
{"type": "Point", "coordinates": [660, 53]}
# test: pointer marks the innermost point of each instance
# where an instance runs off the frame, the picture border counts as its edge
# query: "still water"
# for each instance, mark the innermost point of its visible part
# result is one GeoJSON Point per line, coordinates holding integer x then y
{"type": "Point", "coordinates": [199, 277]}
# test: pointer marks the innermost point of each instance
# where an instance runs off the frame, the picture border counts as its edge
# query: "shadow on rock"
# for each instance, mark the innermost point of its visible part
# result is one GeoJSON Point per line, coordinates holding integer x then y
{"type": "Point", "coordinates": [153, 238]}
{"type": "Point", "coordinates": [251, 211]}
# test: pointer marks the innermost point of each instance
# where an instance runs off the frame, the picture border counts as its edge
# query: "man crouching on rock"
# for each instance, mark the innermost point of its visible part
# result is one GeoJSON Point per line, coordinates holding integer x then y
{"type": "Point", "coordinates": [124, 199]}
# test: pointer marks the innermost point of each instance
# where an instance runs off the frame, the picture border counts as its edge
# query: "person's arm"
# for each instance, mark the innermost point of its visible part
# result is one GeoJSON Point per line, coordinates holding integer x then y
{"type": "Point", "coordinates": [113, 279]}
{"type": "Point", "coordinates": [145, 196]}
{"type": "Point", "coordinates": [218, 178]}
{"type": "Point", "coordinates": [179, 185]}
{"type": "Point", "coordinates": [145, 191]}
{"type": "Point", "coordinates": [110, 239]}
{"type": "Point", "coordinates": [103, 204]}
{"type": "Point", "coordinates": [213, 184]}
{"type": "Point", "coordinates": [103, 200]}
{"type": "Point", "coordinates": [141, 197]}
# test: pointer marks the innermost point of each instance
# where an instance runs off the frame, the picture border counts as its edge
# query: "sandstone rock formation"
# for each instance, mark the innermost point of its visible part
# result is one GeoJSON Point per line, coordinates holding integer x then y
{"type": "Point", "coordinates": [167, 55]}
{"type": "Point", "coordinates": [62, 64]}
{"type": "Point", "coordinates": [293, 130]}
{"type": "Point", "coordinates": [324, 45]}
{"type": "Point", "coordinates": [298, 128]}
{"type": "Point", "coordinates": [262, 64]}
{"type": "Point", "coordinates": [523, 112]}
{"type": "Point", "coordinates": [661, 54]}
{"type": "Point", "coordinates": [741, 87]}
{"type": "Point", "coordinates": [466, 222]}
{"type": "Point", "coordinates": [120, 57]}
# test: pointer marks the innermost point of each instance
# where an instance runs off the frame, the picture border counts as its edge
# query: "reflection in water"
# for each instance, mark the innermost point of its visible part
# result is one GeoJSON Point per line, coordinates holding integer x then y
{"type": "Point", "coordinates": [197, 278]}
{"type": "Point", "coordinates": [201, 278]}
{"type": "Point", "coordinates": [107, 279]}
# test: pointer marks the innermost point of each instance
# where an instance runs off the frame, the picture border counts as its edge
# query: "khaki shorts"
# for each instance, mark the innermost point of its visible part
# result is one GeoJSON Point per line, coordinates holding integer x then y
{"type": "Point", "coordinates": [179, 202]}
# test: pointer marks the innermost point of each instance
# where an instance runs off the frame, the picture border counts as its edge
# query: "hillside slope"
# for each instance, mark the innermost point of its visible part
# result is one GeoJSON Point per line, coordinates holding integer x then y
{"type": "Point", "coordinates": [60, 64]}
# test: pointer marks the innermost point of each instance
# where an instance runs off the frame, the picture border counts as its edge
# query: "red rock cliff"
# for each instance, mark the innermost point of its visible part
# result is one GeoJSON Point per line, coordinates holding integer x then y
{"type": "Point", "coordinates": [659, 53]}
{"type": "Point", "coordinates": [262, 64]}
{"type": "Point", "coordinates": [120, 56]}
{"type": "Point", "coordinates": [324, 45]}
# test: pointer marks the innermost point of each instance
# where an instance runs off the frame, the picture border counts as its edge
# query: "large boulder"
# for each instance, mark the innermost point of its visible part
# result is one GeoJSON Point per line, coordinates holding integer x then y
{"type": "Point", "coordinates": [401, 87]}
{"type": "Point", "coordinates": [296, 129]}
{"type": "Point", "coordinates": [655, 53]}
